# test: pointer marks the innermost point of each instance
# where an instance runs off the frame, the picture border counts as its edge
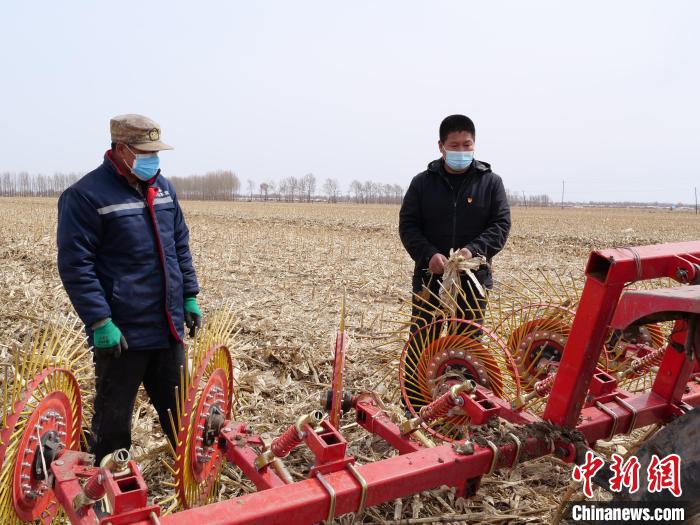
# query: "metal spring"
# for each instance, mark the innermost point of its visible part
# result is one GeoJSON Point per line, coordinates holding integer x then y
{"type": "Point", "coordinates": [543, 387]}
{"type": "Point", "coordinates": [94, 488]}
{"type": "Point", "coordinates": [648, 359]}
{"type": "Point", "coordinates": [438, 408]}
{"type": "Point", "coordinates": [285, 443]}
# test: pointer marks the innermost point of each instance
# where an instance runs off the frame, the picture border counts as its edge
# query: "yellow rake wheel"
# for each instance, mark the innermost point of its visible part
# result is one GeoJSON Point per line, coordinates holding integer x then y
{"type": "Point", "coordinates": [450, 351]}
{"type": "Point", "coordinates": [536, 335]}
{"type": "Point", "coordinates": [42, 414]}
{"type": "Point", "coordinates": [632, 355]}
{"type": "Point", "coordinates": [204, 400]}
{"type": "Point", "coordinates": [536, 313]}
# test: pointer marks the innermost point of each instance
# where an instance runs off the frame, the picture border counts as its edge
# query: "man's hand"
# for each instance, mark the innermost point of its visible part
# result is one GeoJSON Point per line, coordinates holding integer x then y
{"type": "Point", "coordinates": [437, 264]}
{"type": "Point", "coordinates": [193, 315]}
{"type": "Point", "coordinates": [464, 252]}
{"type": "Point", "coordinates": [108, 339]}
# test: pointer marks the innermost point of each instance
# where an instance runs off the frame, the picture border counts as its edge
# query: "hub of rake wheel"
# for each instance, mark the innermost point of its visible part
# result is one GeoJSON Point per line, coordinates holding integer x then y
{"type": "Point", "coordinates": [542, 350]}
{"type": "Point", "coordinates": [45, 453]}
{"type": "Point", "coordinates": [35, 474]}
{"type": "Point", "coordinates": [213, 425]}
{"type": "Point", "coordinates": [453, 366]}
{"type": "Point", "coordinates": [212, 421]}
{"type": "Point", "coordinates": [327, 401]}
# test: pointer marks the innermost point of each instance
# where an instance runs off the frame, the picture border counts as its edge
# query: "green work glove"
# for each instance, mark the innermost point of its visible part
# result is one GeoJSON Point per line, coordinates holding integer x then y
{"type": "Point", "coordinates": [193, 315]}
{"type": "Point", "coordinates": [108, 339]}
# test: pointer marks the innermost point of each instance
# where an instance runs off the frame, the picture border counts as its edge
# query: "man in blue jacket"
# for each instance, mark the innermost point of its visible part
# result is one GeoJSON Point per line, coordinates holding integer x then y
{"type": "Point", "coordinates": [125, 262]}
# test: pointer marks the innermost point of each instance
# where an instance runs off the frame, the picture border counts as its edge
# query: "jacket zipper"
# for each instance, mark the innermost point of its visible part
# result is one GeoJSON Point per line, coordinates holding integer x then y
{"type": "Point", "coordinates": [150, 204]}
{"type": "Point", "coordinates": [454, 223]}
{"type": "Point", "coordinates": [150, 195]}
{"type": "Point", "coordinates": [454, 210]}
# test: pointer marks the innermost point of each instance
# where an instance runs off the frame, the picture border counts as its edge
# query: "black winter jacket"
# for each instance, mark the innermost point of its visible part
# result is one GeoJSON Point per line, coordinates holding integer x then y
{"type": "Point", "coordinates": [434, 219]}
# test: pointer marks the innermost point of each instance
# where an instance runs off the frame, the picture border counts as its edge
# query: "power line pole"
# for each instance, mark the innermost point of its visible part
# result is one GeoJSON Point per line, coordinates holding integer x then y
{"type": "Point", "coordinates": [696, 200]}
{"type": "Point", "coordinates": [524, 201]}
{"type": "Point", "coordinates": [562, 194]}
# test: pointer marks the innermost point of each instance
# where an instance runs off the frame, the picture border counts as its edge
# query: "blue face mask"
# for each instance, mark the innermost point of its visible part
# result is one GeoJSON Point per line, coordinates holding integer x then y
{"type": "Point", "coordinates": [145, 165]}
{"type": "Point", "coordinates": [458, 160]}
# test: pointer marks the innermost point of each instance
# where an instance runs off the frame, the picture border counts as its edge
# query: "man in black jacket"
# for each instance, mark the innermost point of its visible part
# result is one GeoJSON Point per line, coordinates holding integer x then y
{"type": "Point", "coordinates": [457, 203]}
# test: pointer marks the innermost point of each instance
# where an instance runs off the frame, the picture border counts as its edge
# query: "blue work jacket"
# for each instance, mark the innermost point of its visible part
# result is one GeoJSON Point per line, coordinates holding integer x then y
{"type": "Point", "coordinates": [126, 256]}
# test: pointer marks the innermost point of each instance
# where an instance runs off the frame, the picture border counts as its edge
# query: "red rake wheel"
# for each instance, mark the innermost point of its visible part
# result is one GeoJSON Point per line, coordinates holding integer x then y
{"type": "Point", "coordinates": [45, 417]}
{"type": "Point", "coordinates": [447, 352]}
{"type": "Point", "coordinates": [206, 399]}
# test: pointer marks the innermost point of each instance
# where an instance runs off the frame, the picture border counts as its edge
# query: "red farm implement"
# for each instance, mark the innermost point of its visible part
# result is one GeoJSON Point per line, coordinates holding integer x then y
{"type": "Point", "coordinates": [44, 475]}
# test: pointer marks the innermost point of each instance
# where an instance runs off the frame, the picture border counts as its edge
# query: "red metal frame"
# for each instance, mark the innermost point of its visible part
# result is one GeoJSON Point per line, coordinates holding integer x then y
{"type": "Point", "coordinates": [607, 273]}
{"type": "Point", "coordinates": [638, 304]}
{"type": "Point", "coordinates": [127, 494]}
{"type": "Point", "coordinates": [336, 486]}
{"type": "Point", "coordinates": [237, 444]}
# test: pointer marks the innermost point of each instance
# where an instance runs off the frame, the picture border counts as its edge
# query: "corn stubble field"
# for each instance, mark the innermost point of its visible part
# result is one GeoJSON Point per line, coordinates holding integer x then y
{"type": "Point", "coordinates": [284, 267]}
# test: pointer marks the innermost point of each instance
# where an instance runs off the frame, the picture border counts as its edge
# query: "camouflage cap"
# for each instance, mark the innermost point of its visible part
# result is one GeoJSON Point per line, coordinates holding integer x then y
{"type": "Point", "coordinates": [138, 131]}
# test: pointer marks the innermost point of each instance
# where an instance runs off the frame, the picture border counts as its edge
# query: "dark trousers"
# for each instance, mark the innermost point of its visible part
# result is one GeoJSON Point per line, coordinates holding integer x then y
{"type": "Point", "coordinates": [117, 382]}
{"type": "Point", "coordinates": [426, 290]}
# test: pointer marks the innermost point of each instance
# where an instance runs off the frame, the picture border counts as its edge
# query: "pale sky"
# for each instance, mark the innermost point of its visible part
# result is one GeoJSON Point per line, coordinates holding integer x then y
{"type": "Point", "coordinates": [605, 95]}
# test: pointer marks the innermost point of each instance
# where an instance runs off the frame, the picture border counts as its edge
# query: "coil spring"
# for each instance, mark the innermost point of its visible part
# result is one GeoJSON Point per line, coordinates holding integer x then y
{"type": "Point", "coordinates": [438, 408]}
{"type": "Point", "coordinates": [285, 443]}
{"type": "Point", "coordinates": [642, 362]}
{"type": "Point", "coordinates": [543, 387]}
{"type": "Point", "coordinates": [94, 487]}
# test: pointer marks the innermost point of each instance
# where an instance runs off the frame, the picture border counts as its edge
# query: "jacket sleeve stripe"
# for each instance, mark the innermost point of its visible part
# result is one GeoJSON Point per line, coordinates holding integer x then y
{"type": "Point", "coordinates": [131, 205]}
{"type": "Point", "coordinates": [120, 207]}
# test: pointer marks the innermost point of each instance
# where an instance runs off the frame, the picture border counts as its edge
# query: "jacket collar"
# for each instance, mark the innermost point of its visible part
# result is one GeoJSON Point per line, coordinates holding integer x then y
{"type": "Point", "coordinates": [112, 166]}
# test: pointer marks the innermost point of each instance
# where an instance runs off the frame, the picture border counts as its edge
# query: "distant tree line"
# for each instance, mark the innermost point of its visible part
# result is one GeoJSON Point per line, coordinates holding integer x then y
{"type": "Point", "coordinates": [221, 185]}
{"type": "Point", "coordinates": [517, 198]}
{"type": "Point", "coordinates": [371, 192]}
{"type": "Point", "coordinates": [24, 184]}
{"type": "Point", "coordinates": [296, 188]}
{"type": "Point", "coordinates": [225, 185]}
